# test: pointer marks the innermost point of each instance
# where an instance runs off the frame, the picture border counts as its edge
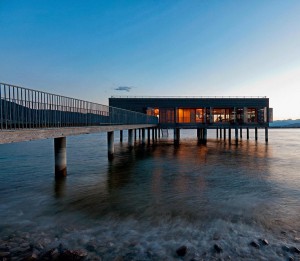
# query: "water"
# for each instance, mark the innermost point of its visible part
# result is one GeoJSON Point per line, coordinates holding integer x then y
{"type": "Point", "coordinates": [151, 200]}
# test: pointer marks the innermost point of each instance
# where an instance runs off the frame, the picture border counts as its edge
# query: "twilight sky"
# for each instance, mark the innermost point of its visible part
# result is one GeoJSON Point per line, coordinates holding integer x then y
{"type": "Point", "coordinates": [94, 49]}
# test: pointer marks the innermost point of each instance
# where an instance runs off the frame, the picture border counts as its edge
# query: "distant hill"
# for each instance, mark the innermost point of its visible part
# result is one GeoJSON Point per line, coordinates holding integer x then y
{"type": "Point", "coordinates": [286, 124]}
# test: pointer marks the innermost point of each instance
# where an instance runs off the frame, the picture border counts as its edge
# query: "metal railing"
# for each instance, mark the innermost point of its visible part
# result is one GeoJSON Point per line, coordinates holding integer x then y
{"type": "Point", "coordinates": [189, 97]}
{"type": "Point", "coordinates": [22, 108]}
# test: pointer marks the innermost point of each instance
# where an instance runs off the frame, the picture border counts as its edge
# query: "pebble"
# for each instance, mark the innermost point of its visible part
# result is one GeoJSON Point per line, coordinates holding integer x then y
{"type": "Point", "coordinates": [181, 251]}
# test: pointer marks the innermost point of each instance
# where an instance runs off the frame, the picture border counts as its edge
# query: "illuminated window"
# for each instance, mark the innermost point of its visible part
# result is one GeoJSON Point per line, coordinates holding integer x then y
{"type": "Point", "coordinates": [189, 115]}
{"type": "Point", "coordinates": [251, 115]}
{"type": "Point", "coordinates": [166, 115]}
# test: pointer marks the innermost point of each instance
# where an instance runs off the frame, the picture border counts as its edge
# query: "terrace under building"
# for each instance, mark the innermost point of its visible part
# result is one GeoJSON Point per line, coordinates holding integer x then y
{"type": "Point", "coordinates": [202, 113]}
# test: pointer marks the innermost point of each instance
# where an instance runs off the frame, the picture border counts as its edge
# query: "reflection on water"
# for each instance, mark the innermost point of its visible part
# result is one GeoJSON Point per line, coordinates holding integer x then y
{"type": "Point", "coordinates": [59, 186]}
{"type": "Point", "coordinates": [252, 186]}
{"type": "Point", "coordinates": [190, 181]}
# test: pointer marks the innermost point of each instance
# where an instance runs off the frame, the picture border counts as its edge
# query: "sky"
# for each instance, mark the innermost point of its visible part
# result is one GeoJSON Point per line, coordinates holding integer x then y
{"type": "Point", "coordinates": [96, 49]}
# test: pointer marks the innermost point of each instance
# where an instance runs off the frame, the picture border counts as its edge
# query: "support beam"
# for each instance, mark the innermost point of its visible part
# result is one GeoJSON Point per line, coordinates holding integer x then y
{"type": "Point", "coordinates": [241, 132]}
{"type": "Point", "coordinates": [236, 134]}
{"type": "Point", "coordinates": [134, 134]}
{"type": "Point", "coordinates": [224, 133]}
{"type": "Point", "coordinates": [148, 136]}
{"type": "Point", "coordinates": [217, 132]}
{"type": "Point", "coordinates": [199, 134]}
{"type": "Point", "coordinates": [60, 155]}
{"type": "Point", "coordinates": [176, 135]}
{"type": "Point", "coordinates": [229, 134]}
{"type": "Point", "coordinates": [121, 136]}
{"type": "Point", "coordinates": [110, 145]}
{"type": "Point", "coordinates": [140, 134]}
{"type": "Point", "coordinates": [205, 135]}
{"type": "Point", "coordinates": [247, 133]}
{"type": "Point", "coordinates": [143, 137]}
{"type": "Point", "coordinates": [266, 134]}
{"type": "Point", "coordinates": [255, 133]}
{"type": "Point", "coordinates": [153, 134]}
{"type": "Point", "coordinates": [130, 138]}
{"type": "Point", "coordinates": [220, 133]}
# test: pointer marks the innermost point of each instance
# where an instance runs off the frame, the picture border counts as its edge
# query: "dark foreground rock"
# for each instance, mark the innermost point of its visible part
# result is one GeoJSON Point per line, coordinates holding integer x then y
{"type": "Point", "coordinates": [73, 255]}
{"type": "Point", "coordinates": [218, 249]}
{"type": "Point", "coordinates": [263, 242]}
{"type": "Point", "coordinates": [181, 251]}
{"type": "Point", "coordinates": [295, 250]}
{"type": "Point", "coordinates": [254, 244]}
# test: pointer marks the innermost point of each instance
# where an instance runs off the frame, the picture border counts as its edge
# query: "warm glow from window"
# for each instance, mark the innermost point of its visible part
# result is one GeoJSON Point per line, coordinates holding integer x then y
{"type": "Point", "coordinates": [190, 115]}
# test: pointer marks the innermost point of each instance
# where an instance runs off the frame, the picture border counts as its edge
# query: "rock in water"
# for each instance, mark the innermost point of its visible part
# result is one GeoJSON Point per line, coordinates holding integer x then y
{"type": "Point", "coordinates": [217, 248]}
{"type": "Point", "coordinates": [73, 255]}
{"type": "Point", "coordinates": [285, 248]}
{"type": "Point", "coordinates": [295, 250]}
{"type": "Point", "coordinates": [264, 242]}
{"type": "Point", "coordinates": [31, 257]}
{"type": "Point", "coordinates": [181, 251]}
{"type": "Point", "coordinates": [254, 244]}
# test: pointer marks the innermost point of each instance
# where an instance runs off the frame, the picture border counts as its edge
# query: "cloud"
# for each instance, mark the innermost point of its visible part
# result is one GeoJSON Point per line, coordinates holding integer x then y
{"type": "Point", "coordinates": [123, 88]}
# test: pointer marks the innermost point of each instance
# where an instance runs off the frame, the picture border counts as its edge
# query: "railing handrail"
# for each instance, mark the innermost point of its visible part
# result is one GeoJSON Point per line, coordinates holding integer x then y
{"type": "Point", "coordinates": [22, 107]}
{"type": "Point", "coordinates": [49, 93]}
{"type": "Point", "coordinates": [189, 97]}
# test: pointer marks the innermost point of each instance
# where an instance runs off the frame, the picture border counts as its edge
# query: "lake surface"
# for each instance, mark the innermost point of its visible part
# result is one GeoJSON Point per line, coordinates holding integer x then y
{"type": "Point", "coordinates": [151, 200]}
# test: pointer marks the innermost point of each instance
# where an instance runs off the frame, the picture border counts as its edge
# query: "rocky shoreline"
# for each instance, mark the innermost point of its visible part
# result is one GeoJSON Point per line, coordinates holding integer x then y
{"type": "Point", "coordinates": [17, 248]}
